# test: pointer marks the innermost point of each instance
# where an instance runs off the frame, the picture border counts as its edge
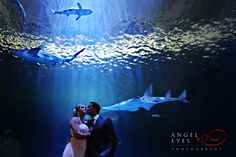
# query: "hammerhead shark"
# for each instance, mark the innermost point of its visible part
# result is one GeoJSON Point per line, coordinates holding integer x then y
{"type": "Point", "coordinates": [39, 55]}
{"type": "Point", "coordinates": [147, 101]}
{"type": "Point", "coordinates": [22, 10]}
{"type": "Point", "coordinates": [80, 11]}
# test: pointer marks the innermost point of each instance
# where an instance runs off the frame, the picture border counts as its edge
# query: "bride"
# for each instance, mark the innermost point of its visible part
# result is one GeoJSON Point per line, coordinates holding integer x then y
{"type": "Point", "coordinates": [79, 134]}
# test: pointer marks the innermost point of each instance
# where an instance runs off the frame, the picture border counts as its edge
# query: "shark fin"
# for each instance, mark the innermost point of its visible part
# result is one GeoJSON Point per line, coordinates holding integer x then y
{"type": "Point", "coordinates": [35, 51]}
{"type": "Point", "coordinates": [183, 96]}
{"type": "Point", "coordinates": [168, 94]}
{"type": "Point", "coordinates": [148, 106]}
{"type": "Point", "coordinates": [40, 47]}
{"type": "Point", "coordinates": [148, 91]}
{"type": "Point", "coordinates": [133, 109]}
{"type": "Point", "coordinates": [79, 5]}
{"type": "Point", "coordinates": [74, 56]}
{"type": "Point", "coordinates": [78, 17]}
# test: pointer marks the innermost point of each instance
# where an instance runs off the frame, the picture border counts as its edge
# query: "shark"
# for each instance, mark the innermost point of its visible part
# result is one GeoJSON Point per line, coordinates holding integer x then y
{"type": "Point", "coordinates": [147, 101]}
{"type": "Point", "coordinates": [22, 10]}
{"type": "Point", "coordinates": [156, 116]}
{"type": "Point", "coordinates": [74, 11]}
{"type": "Point", "coordinates": [39, 55]}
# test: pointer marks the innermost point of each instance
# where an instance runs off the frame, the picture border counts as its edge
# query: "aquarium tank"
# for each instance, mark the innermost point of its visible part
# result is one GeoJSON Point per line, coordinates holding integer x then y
{"type": "Point", "coordinates": [126, 46]}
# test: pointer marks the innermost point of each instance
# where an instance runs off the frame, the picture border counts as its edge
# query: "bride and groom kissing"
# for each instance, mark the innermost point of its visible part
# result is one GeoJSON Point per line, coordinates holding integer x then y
{"type": "Point", "coordinates": [96, 138]}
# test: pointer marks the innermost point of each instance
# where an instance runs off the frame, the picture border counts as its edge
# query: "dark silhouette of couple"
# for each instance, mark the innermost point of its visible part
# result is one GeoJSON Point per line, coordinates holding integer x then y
{"type": "Point", "coordinates": [96, 138]}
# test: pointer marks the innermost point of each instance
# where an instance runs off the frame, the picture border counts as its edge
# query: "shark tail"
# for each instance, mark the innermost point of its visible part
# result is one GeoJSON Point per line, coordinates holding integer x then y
{"type": "Point", "coordinates": [183, 97]}
{"type": "Point", "coordinates": [74, 56]}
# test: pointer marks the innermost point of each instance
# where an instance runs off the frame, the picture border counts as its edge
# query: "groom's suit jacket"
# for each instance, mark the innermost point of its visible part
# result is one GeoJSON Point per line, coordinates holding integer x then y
{"type": "Point", "coordinates": [103, 141]}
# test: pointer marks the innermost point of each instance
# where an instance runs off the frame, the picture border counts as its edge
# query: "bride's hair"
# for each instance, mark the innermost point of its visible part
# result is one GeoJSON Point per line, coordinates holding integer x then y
{"type": "Point", "coordinates": [76, 109]}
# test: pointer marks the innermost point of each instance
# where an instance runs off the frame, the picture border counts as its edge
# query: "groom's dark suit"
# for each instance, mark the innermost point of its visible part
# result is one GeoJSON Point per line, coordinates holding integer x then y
{"type": "Point", "coordinates": [102, 141]}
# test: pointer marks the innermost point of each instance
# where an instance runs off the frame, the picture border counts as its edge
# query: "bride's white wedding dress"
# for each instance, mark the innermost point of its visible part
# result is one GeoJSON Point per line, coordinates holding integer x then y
{"type": "Point", "coordinates": [76, 147]}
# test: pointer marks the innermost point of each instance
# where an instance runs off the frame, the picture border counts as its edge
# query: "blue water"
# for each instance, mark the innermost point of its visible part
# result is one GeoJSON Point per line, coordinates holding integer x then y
{"type": "Point", "coordinates": [129, 44]}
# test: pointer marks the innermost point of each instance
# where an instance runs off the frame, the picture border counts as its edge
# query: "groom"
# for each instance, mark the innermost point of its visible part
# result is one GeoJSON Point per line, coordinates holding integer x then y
{"type": "Point", "coordinates": [102, 142]}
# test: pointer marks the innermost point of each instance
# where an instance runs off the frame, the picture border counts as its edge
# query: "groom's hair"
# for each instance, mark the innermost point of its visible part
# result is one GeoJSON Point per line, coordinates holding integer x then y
{"type": "Point", "coordinates": [96, 106]}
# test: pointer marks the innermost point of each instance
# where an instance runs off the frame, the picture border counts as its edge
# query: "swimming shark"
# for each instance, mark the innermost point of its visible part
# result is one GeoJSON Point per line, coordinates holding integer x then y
{"type": "Point", "coordinates": [39, 55]}
{"type": "Point", "coordinates": [22, 10]}
{"type": "Point", "coordinates": [156, 116]}
{"type": "Point", "coordinates": [80, 12]}
{"type": "Point", "coordinates": [147, 101]}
